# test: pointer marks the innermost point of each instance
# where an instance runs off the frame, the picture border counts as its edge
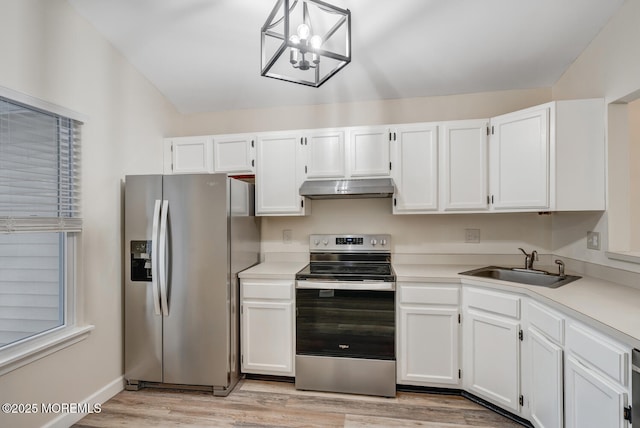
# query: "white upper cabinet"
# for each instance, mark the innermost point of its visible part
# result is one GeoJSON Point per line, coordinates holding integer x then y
{"type": "Point", "coordinates": [279, 174]}
{"type": "Point", "coordinates": [578, 156]}
{"type": "Point", "coordinates": [234, 154]}
{"type": "Point", "coordinates": [414, 160]}
{"type": "Point", "coordinates": [359, 152]}
{"type": "Point", "coordinates": [188, 155]}
{"type": "Point", "coordinates": [520, 160]}
{"type": "Point", "coordinates": [549, 158]}
{"type": "Point", "coordinates": [544, 158]}
{"type": "Point", "coordinates": [463, 166]}
{"type": "Point", "coordinates": [325, 150]}
{"type": "Point", "coordinates": [369, 152]}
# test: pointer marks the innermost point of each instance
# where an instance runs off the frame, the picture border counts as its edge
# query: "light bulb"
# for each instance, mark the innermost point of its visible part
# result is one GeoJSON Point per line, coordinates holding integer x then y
{"type": "Point", "coordinates": [303, 31]}
{"type": "Point", "coordinates": [316, 41]}
{"type": "Point", "coordinates": [294, 39]}
{"type": "Point", "coordinates": [293, 56]}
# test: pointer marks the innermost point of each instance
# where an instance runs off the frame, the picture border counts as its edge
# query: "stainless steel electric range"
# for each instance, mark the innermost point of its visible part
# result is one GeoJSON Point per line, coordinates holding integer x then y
{"type": "Point", "coordinates": [345, 316]}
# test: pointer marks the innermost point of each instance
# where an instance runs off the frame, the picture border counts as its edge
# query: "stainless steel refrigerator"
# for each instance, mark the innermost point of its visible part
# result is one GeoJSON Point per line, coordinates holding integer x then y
{"type": "Point", "coordinates": [186, 239]}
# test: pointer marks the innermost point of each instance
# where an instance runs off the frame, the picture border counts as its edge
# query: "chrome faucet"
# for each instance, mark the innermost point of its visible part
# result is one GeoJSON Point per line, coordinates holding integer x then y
{"type": "Point", "coordinates": [560, 264]}
{"type": "Point", "coordinates": [529, 258]}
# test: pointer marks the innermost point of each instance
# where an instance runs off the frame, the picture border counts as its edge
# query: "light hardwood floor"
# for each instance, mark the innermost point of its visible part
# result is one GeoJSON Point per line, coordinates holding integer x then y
{"type": "Point", "coordinates": [256, 403]}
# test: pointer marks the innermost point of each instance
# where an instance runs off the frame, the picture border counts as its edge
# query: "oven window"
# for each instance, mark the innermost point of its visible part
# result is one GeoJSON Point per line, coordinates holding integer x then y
{"type": "Point", "coordinates": [345, 323]}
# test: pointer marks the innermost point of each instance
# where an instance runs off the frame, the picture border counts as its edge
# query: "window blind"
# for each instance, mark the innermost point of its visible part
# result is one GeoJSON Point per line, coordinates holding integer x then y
{"type": "Point", "coordinates": [39, 170]}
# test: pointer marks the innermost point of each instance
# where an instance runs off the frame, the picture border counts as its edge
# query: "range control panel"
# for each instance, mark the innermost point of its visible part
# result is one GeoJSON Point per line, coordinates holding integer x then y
{"type": "Point", "coordinates": [350, 243]}
{"type": "Point", "coordinates": [350, 240]}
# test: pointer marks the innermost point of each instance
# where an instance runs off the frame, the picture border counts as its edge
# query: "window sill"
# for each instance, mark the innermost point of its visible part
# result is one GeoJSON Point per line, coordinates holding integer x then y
{"type": "Point", "coordinates": [625, 256]}
{"type": "Point", "coordinates": [16, 356]}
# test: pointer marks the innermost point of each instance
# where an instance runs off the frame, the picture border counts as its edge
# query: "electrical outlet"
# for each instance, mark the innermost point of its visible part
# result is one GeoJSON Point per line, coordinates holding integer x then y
{"type": "Point", "coordinates": [286, 236]}
{"type": "Point", "coordinates": [472, 236]}
{"type": "Point", "coordinates": [593, 240]}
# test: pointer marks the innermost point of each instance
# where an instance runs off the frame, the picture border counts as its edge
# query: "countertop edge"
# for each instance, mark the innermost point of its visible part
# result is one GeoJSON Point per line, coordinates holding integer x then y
{"type": "Point", "coordinates": [592, 301]}
{"type": "Point", "coordinates": [562, 299]}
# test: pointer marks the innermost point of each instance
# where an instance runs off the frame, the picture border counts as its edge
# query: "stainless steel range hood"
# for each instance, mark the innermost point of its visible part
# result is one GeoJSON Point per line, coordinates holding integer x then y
{"type": "Point", "coordinates": [346, 189]}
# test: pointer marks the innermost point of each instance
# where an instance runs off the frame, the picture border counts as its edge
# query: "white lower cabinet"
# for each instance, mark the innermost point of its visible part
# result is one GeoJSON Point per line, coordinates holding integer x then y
{"type": "Point", "coordinates": [428, 334]}
{"type": "Point", "coordinates": [554, 372]}
{"type": "Point", "coordinates": [591, 400]}
{"type": "Point", "coordinates": [597, 379]}
{"type": "Point", "coordinates": [268, 327]}
{"type": "Point", "coordinates": [544, 391]}
{"type": "Point", "coordinates": [491, 343]}
{"type": "Point", "coordinates": [543, 366]}
{"type": "Point", "coordinates": [492, 358]}
{"type": "Point", "coordinates": [516, 353]}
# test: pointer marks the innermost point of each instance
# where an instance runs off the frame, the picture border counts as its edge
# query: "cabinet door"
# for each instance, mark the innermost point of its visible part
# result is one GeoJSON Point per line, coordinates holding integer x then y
{"type": "Point", "coordinates": [464, 174]}
{"type": "Point", "coordinates": [279, 174]}
{"type": "Point", "coordinates": [415, 169]}
{"type": "Point", "coordinates": [234, 153]}
{"type": "Point", "coordinates": [369, 152]}
{"type": "Point", "coordinates": [545, 380]}
{"type": "Point", "coordinates": [267, 337]}
{"type": "Point", "coordinates": [325, 154]}
{"type": "Point", "coordinates": [191, 155]}
{"type": "Point", "coordinates": [492, 359]}
{"type": "Point", "coordinates": [519, 160]}
{"type": "Point", "coordinates": [590, 400]}
{"type": "Point", "coordinates": [428, 345]}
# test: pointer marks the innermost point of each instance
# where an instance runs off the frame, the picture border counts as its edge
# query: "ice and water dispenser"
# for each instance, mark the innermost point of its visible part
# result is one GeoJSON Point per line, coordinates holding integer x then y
{"type": "Point", "coordinates": [141, 261]}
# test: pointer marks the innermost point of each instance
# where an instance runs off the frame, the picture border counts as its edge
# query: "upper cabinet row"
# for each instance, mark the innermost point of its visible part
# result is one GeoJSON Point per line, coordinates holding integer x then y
{"type": "Point", "coordinates": [285, 160]}
{"type": "Point", "coordinates": [545, 158]}
{"type": "Point", "coordinates": [232, 154]}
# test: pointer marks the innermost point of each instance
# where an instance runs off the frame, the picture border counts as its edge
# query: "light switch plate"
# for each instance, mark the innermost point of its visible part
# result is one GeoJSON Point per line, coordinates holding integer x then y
{"type": "Point", "coordinates": [286, 236]}
{"type": "Point", "coordinates": [593, 240]}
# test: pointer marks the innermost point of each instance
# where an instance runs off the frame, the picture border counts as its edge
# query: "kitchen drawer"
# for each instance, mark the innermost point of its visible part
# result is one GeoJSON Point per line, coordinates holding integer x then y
{"type": "Point", "coordinates": [548, 322]}
{"type": "Point", "coordinates": [599, 351]}
{"type": "Point", "coordinates": [492, 301]}
{"type": "Point", "coordinates": [282, 290]}
{"type": "Point", "coordinates": [430, 294]}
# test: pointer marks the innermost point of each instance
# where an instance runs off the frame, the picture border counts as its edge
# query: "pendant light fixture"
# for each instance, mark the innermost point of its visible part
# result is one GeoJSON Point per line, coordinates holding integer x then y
{"type": "Point", "coordinates": [305, 41]}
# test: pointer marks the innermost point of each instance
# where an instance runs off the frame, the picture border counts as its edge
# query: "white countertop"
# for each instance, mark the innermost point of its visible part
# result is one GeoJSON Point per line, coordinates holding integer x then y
{"type": "Point", "coordinates": [608, 306]}
{"type": "Point", "coordinates": [611, 307]}
{"type": "Point", "coordinates": [273, 270]}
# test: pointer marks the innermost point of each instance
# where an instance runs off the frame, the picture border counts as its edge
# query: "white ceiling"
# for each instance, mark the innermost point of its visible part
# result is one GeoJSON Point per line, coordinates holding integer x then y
{"type": "Point", "coordinates": [204, 55]}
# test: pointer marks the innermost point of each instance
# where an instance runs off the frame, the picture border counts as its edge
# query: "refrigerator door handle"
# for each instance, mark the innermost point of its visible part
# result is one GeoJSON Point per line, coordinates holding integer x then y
{"type": "Point", "coordinates": [163, 258]}
{"type": "Point", "coordinates": [154, 257]}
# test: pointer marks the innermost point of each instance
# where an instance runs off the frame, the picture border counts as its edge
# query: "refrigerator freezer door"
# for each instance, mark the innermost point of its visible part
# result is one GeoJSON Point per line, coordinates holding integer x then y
{"type": "Point", "coordinates": [196, 329]}
{"type": "Point", "coordinates": [143, 327]}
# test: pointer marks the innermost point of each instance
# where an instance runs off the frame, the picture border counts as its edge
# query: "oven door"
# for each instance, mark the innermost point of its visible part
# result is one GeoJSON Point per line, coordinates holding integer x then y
{"type": "Point", "coordinates": [352, 319]}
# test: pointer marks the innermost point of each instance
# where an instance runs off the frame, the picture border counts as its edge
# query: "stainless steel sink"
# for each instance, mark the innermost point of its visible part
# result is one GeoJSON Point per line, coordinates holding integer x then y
{"type": "Point", "coordinates": [522, 276]}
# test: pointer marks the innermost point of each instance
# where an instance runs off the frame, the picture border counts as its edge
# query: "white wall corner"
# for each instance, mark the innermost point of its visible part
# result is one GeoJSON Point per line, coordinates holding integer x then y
{"type": "Point", "coordinates": [94, 402]}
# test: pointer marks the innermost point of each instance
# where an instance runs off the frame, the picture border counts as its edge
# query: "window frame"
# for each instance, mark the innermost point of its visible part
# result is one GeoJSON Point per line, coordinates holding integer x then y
{"type": "Point", "coordinates": [72, 330]}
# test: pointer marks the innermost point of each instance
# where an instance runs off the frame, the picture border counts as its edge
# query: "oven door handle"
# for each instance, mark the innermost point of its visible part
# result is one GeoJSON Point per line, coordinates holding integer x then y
{"type": "Point", "coordinates": [347, 285]}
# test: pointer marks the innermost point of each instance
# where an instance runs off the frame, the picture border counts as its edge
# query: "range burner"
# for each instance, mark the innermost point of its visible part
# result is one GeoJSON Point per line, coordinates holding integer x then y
{"type": "Point", "coordinates": [347, 271]}
{"type": "Point", "coordinates": [349, 258]}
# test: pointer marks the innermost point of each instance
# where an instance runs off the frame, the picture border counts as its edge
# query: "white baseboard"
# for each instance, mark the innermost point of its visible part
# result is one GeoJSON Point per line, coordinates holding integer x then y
{"type": "Point", "coordinates": [65, 420]}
